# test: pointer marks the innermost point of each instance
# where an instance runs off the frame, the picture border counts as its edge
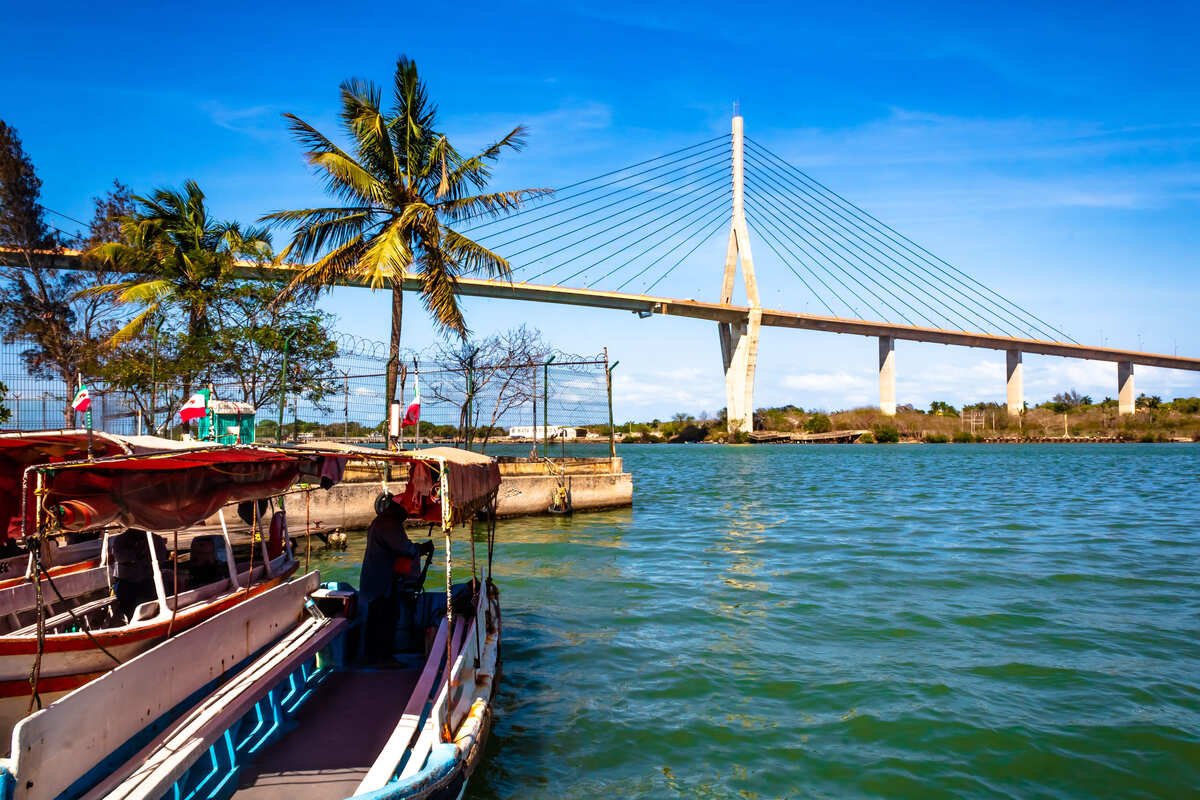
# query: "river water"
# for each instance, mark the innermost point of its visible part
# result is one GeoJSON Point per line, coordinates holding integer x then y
{"type": "Point", "coordinates": [858, 621]}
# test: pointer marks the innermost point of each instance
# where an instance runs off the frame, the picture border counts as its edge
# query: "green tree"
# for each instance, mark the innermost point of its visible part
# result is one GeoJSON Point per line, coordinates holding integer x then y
{"type": "Point", "coordinates": [402, 189]}
{"type": "Point", "coordinates": [41, 305]}
{"type": "Point", "coordinates": [5, 413]}
{"type": "Point", "coordinates": [818, 423]}
{"type": "Point", "coordinates": [182, 262]}
{"type": "Point", "coordinates": [248, 341]}
{"type": "Point", "coordinates": [1150, 402]}
{"type": "Point", "coordinates": [943, 409]}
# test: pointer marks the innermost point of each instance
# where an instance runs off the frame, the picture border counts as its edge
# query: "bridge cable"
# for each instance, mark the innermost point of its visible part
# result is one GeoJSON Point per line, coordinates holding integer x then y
{"type": "Point", "coordinates": [527, 233]}
{"type": "Point", "coordinates": [721, 148]}
{"type": "Point", "coordinates": [605, 223]}
{"type": "Point", "coordinates": [712, 183]}
{"type": "Point", "coordinates": [920, 252]}
{"type": "Point", "coordinates": [705, 224]}
{"type": "Point", "coordinates": [879, 266]}
{"type": "Point", "coordinates": [831, 242]}
{"type": "Point", "coordinates": [690, 215]}
{"type": "Point", "coordinates": [833, 261]}
{"type": "Point", "coordinates": [682, 258]}
{"type": "Point", "coordinates": [753, 210]}
{"type": "Point", "coordinates": [876, 229]}
{"type": "Point", "coordinates": [919, 282]}
{"type": "Point", "coordinates": [598, 221]}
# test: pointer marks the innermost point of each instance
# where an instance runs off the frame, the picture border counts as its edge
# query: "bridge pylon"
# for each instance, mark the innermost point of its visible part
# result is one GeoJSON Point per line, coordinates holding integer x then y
{"type": "Point", "coordinates": [739, 340]}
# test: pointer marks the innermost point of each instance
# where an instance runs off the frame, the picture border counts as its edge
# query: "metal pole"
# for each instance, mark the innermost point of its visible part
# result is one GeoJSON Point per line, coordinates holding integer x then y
{"type": "Point", "coordinates": [346, 406]}
{"type": "Point", "coordinates": [282, 391]}
{"type": "Point", "coordinates": [545, 407]}
{"type": "Point", "coordinates": [612, 434]}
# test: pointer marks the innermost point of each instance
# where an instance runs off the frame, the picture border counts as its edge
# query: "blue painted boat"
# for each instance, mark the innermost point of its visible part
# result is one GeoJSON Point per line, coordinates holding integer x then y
{"type": "Point", "coordinates": [288, 694]}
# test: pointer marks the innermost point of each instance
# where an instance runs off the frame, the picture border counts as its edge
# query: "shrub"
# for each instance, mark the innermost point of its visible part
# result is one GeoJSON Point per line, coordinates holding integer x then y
{"type": "Point", "coordinates": [886, 434]}
{"type": "Point", "coordinates": [867, 438]}
{"type": "Point", "coordinates": [818, 423]}
{"type": "Point", "coordinates": [936, 438]}
{"type": "Point", "coordinates": [962, 437]}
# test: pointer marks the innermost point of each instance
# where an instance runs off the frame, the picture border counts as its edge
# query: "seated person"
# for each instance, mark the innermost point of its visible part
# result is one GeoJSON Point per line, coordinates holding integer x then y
{"type": "Point", "coordinates": [203, 565]}
{"type": "Point", "coordinates": [132, 570]}
{"type": "Point", "coordinates": [391, 570]}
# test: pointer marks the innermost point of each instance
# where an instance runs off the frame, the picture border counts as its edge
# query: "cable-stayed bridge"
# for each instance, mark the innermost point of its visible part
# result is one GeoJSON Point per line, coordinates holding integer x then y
{"type": "Point", "coordinates": [636, 238]}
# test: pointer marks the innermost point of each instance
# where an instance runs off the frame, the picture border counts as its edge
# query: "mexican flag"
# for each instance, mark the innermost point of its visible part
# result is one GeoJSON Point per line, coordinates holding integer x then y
{"type": "Point", "coordinates": [83, 400]}
{"type": "Point", "coordinates": [195, 408]}
{"type": "Point", "coordinates": [412, 415]}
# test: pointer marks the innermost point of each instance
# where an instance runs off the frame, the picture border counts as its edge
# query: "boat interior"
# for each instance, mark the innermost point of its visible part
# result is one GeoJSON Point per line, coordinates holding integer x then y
{"type": "Point", "coordinates": [84, 599]}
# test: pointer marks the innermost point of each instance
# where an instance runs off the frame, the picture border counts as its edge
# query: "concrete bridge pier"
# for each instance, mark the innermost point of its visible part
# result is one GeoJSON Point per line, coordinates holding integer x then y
{"type": "Point", "coordinates": [739, 352]}
{"type": "Point", "coordinates": [887, 375]}
{"type": "Point", "coordinates": [1016, 384]}
{"type": "Point", "coordinates": [1126, 402]}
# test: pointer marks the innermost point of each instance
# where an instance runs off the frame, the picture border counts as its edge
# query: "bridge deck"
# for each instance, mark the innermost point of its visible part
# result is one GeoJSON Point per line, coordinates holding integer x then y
{"type": "Point", "coordinates": [719, 312]}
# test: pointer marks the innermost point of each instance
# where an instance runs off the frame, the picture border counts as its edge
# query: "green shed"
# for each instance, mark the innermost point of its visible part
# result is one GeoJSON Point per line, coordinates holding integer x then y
{"type": "Point", "coordinates": [228, 422]}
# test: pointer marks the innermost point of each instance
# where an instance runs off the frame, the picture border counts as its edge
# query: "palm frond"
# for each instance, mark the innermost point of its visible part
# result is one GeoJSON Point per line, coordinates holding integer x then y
{"type": "Point", "coordinates": [472, 257]}
{"type": "Point", "coordinates": [438, 292]}
{"type": "Point", "coordinates": [319, 232]}
{"type": "Point", "coordinates": [325, 273]}
{"type": "Point", "coordinates": [490, 205]}
{"type": "Point", "coordinates": [134, 327]}
{"type": "Point", "coordinates": [364, 121]}
{"type": "Point", "coordinates": [387, 257]}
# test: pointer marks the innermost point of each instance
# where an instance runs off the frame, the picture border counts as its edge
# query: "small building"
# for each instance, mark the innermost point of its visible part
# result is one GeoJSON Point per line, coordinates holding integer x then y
{"type": "Point", "coordinates": [560, 432]}
{"type": "Point", "coordinates": [227, 422]}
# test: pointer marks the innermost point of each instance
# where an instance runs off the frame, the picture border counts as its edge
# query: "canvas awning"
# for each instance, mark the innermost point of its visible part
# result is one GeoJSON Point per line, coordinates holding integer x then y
{"type": "Point", "coordinates": [171, 490]}
{"type": "Point", "coordinates": [472, 478]}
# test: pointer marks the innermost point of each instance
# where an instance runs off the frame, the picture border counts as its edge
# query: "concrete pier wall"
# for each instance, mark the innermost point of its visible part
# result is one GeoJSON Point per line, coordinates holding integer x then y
{"type": "Point", "coordinates": [526, 487]}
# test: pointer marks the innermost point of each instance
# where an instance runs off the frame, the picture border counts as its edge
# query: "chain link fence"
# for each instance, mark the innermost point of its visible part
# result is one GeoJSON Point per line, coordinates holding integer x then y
{"type": "Point", "coordinates": [556, 405]}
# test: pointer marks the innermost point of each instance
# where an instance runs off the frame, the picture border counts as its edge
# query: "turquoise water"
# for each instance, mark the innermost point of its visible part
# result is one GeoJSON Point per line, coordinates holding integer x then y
{"type": "Point", "coordinates": [905, 621]}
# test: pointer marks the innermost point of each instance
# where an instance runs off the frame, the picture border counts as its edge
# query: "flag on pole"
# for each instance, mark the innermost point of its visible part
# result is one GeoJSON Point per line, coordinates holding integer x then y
{"type": "Point", "coordinates": [82, 401]}
{"type": "Point", "coordinates": [195, 408]}
{"type": "Point", "coordinates": [412, 416]}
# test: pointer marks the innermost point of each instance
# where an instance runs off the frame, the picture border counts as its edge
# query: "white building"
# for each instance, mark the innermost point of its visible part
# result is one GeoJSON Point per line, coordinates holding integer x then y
{"type": "Point", "coordinates": [538, 432]}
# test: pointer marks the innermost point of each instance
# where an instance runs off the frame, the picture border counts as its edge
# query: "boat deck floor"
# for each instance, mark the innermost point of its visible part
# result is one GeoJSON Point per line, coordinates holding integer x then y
{"type": "Point", "coordinates": [338, 734]}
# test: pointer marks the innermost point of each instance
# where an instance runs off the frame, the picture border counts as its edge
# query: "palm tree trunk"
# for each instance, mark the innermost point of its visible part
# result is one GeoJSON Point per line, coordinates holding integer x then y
{"type": "Point", "coordinates": [393, 364]}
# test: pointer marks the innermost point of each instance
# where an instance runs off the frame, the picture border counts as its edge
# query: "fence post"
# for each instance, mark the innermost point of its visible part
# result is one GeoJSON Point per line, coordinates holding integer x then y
{"type": "Point", "coordinates": [612, 435]}
{"type": "Point", "coordinates": [346, 406]}
{"type": "Point", "coordinates": [545, 408]}
{"type": "Point", "coordinates": [282, 391]}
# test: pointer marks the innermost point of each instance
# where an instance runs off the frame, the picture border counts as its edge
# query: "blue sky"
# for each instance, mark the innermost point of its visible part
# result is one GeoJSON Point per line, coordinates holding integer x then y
{"type": "Point", "coordinates": [1052, 152]}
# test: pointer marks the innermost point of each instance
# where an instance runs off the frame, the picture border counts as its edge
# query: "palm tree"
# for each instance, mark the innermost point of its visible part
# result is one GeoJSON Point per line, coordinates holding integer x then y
{"type": "Point", "coordinates": [181, 260]}
{"type": "Point", "coordinates": [402, 189]}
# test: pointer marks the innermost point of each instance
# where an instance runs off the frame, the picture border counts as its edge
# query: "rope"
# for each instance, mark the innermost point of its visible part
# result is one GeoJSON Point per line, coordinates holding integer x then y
{"type": "Point", "coordinates": [175, 581]}
{"type": "Point", "coordinates": [307, 529]}
{"type": "Point", "coordinates": [76, 619]}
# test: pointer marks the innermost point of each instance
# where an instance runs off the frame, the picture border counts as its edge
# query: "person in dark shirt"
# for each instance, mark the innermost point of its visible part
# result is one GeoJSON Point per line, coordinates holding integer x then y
{"type": "Point", "coordinates": [390, 558]}
{"type": "Point", "coordinates": [132, 570]}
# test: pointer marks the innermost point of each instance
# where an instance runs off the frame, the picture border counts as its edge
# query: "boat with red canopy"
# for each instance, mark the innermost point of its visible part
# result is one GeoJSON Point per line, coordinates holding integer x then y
{"type": "Point", "coordinates": [299, 692]}
{"type": "Point", "coordinates": [155, 578]}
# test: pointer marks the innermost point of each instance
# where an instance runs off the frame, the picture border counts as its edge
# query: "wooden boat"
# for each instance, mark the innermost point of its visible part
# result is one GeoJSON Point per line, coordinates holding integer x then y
{"type": "Point", "coordinates": [18, 452]}
{"type": "Point", "coordinates": [77, 634]}
{"type": "Point", "coordinates": [275, 697]}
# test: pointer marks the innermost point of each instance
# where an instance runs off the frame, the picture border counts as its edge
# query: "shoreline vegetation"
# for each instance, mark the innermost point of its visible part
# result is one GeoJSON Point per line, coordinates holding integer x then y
{"type": "Point", "coordinates": [1068, 417]}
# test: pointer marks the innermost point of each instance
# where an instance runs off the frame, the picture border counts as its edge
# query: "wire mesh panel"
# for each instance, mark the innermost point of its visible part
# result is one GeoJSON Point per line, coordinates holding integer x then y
{"type": "Point", "coordinates": [557, 404]}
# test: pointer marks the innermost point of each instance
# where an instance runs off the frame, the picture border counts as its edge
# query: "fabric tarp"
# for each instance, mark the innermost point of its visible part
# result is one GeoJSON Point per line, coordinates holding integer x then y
{"type": "Point", "coordinates": [174, 490]}
{"type": "Point", "coordinates": [21, 450]}
{"type": "Point", "coordinates": [472, 479]}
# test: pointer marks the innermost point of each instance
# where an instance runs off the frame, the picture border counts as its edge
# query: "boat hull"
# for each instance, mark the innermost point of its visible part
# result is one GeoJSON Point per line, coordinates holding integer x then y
{"type": "Point", "coordinates": [71, 660]}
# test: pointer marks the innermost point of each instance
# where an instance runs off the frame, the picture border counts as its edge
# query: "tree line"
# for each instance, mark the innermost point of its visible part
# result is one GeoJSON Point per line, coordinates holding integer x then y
{"type": "Point", "coordinates": [159, 301]}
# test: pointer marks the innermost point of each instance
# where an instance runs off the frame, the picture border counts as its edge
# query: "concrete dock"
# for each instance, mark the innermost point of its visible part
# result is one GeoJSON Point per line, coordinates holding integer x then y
{"type": "Point", "coordinates": [526, 487]}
